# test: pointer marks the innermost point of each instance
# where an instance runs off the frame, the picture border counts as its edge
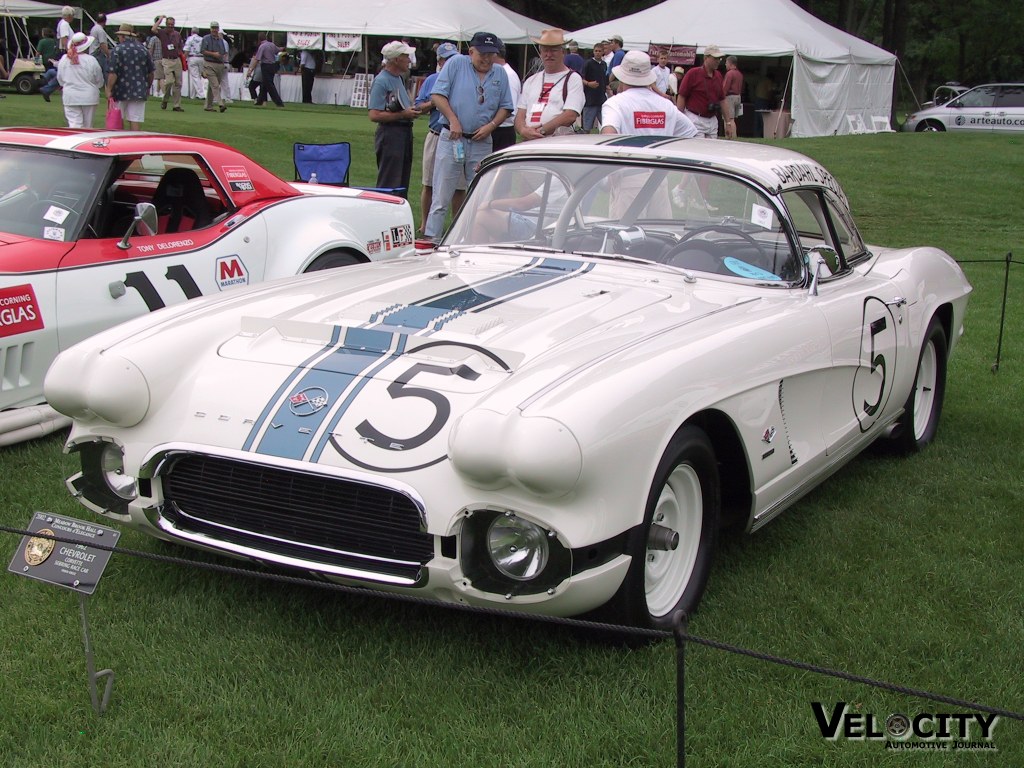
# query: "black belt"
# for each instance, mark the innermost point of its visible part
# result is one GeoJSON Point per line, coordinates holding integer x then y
{"type": "Point", "coordinates": [397, 124]}
{"type": "Point", "coordinates": [436, 133]}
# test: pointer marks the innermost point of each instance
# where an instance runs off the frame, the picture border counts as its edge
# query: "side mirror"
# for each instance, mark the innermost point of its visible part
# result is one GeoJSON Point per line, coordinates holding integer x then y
{"type": "Point", "coordinates": [822, 259]}
{"type": "Point", "coordinates": [146, 222]}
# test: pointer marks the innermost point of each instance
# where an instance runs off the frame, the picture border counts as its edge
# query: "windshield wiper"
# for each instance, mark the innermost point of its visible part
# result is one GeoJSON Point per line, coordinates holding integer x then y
{"type": "Point", "coordinates": [687, 274]}
{"type": "Point", "coordinates": [507, 247]}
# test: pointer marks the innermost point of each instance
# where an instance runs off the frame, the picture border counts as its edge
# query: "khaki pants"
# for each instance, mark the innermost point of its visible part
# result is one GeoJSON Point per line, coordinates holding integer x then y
{"type": "Point", "coordinates": [214, 74]}
{"type": "Point", "coordinates": [172, 81]}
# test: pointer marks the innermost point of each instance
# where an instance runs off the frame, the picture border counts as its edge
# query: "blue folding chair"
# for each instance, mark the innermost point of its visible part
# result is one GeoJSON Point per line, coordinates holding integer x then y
{"type": "Point", "coordinates": [330, 163]}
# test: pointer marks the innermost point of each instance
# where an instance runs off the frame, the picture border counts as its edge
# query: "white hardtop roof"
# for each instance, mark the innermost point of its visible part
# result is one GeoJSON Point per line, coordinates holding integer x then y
{"type": "Point", "coordinates": [766, 164]}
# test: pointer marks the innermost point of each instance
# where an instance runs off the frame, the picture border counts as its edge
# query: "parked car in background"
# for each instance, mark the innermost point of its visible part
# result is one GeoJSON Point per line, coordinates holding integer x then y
{"type": "Point", "coordinates": [997, 107]}
{"type": "Point", "coordinates": [623, 344]}
{"type": "Point", "coordinates": [75, 258]}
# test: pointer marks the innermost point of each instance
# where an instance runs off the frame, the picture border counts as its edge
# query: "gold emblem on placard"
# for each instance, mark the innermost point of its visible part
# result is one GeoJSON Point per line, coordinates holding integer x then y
{"type": "Point", "coordinates": [37, 549]}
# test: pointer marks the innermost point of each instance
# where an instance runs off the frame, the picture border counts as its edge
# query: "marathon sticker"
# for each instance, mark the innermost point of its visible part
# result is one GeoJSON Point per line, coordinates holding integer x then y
{"type": "Point", "coordinates": [238, 178]}
{"type": "Point", "coordinates": [373, 246]}
{"type": "Point", "coordinates": [401, 235]}
{"type": "Point", "coordinates": [53, 233]}
{"type": "Point", "coordinates": [19, 311]}
{"type": "Point", "coordinates": [72, 564]}
{"type": "Point", "coordinates": [230, 271]}
{"type": "Point", "coordinates": [649, 120]}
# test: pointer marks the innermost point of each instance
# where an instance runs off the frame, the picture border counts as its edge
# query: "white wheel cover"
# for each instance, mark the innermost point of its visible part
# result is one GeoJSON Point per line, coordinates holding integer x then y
{"type": "Point", "coordinates": [681, 508]}
{"type": "Point", "coordinates": [924, 389]}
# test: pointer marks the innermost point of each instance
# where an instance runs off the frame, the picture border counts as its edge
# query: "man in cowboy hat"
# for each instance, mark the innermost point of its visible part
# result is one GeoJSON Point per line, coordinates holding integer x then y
{"type": "Point", "coordinates": [702, 96]}
{"type": "Point", "coordinates": [130, 76]}
{"type": "Point", "coordinates": [553, 98]}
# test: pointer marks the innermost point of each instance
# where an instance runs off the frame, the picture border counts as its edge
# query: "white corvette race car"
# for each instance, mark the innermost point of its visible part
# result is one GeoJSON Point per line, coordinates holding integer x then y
{"type": "Point", "coordinates": [622, 344]}
{"type": "Point", "coordinates": [72, 262]}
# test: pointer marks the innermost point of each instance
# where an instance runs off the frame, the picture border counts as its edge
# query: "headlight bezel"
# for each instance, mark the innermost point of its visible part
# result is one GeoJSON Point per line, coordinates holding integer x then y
{"type": "Point", "coordinates": [479, 566]}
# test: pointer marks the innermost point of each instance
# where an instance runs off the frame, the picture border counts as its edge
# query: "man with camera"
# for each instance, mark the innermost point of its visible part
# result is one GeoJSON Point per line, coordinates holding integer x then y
{"type": "Point", "coordinates": [701, 97]}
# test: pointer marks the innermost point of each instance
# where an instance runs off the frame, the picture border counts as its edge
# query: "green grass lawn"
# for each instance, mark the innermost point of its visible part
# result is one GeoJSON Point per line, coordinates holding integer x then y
{"type": "Point", "coordinates": [909, 570]}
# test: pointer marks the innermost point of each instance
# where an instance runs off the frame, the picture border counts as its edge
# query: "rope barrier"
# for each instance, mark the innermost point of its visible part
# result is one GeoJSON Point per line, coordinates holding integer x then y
{"type": "Point", "coordinates": [679, 633]}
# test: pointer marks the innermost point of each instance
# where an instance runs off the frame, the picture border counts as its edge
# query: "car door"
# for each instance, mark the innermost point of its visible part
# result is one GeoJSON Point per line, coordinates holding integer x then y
{"type": "Point", "coordinates": [1009, 110]}
{"type": "Point", "coordinates": [974, 110]}
{"type": "Point", "coordinates": [103, 281]}
{"type": "Point", "coordinates": [867, 324]}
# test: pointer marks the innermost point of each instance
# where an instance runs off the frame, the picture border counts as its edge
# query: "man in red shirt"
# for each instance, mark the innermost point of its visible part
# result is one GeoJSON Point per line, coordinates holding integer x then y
{"type": "Point", "coordinates": [733, 83]}
{"type": "Point", "coordinates": [701, 97]}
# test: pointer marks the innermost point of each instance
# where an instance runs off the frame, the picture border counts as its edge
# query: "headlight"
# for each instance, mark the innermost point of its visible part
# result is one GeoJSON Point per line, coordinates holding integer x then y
{"type": "Point", "coordinates": [112, 471]}
{"type": "Point", "coordinates": [518, 548]}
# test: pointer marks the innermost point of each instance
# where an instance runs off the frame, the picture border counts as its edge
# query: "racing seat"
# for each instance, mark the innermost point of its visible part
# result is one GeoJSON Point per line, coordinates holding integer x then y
{"type": "Point", "coordinates": [330, 163]}
{"type": "Point", "coordinates": [180, 201]}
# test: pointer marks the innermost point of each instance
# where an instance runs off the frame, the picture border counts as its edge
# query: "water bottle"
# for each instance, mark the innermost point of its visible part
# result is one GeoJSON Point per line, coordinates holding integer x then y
{"type": "Point", "coordinates": [459, 152]}
{"type": "Point", "coordinates": [313, 179]}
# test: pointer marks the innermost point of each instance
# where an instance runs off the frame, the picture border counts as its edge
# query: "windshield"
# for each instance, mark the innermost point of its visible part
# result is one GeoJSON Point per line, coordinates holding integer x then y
{"type": "Point", "coordinates": [47, 195]}
{"type": "Point", "coordinates": [688, 218]}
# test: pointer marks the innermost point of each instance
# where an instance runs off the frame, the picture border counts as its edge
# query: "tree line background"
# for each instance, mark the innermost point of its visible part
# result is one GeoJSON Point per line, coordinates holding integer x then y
{"type": "Point", "coordinates": [935, 40]}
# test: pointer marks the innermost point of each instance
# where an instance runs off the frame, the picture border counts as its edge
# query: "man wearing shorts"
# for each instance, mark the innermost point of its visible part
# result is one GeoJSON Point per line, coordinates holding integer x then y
{"type": "Point", "coordinates": [130, 77]}
{"type": "Point", "coordinates": [444, 52]}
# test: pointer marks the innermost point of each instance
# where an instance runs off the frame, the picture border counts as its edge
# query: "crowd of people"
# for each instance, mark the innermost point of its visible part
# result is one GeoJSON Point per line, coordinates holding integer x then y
{"type": "Point", "coordinates": [475, 101]}
{"type": "Point", "coordinates": [476, 104]}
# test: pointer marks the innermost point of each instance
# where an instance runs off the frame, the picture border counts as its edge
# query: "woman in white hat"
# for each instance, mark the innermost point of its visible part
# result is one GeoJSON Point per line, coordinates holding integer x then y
{"type": "Point", "coordinates": [81, 77]}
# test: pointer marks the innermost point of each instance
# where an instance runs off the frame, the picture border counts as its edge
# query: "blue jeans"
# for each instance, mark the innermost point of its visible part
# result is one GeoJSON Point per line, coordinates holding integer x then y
{"type": "Point", "coordinates": [50, 83]}
{"type": "Point", "coordinates": [448, 176]}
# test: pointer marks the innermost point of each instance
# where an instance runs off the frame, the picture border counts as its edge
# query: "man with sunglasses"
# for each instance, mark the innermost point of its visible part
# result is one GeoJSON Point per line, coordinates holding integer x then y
{"type": "Point", "coordinates": [473, 97]}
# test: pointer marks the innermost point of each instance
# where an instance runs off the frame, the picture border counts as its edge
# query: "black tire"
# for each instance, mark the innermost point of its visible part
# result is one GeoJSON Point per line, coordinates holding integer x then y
{"type": "Point", "coordinates": [920, 420]}
{"type": "Point", "coordinates": [685, 497]}
{"type": "Point", "coordinates": [930, 125]}
{"type": "Point", "coordinates": [334, 259]}
{"type": "Point", "coordinates": [24, 84]}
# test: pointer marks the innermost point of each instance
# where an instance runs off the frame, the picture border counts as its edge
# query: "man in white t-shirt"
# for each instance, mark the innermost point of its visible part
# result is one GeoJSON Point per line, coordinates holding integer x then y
{"type": "Point", "coordinates": [637, 108]}
{"type": "Point", "coordinates": [553, 98]}
{"type": "Point", "coordinates": [662, 74]}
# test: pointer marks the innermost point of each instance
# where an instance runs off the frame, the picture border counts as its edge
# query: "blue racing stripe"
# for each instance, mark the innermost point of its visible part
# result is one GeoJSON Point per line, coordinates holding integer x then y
{"type": "Point", "coordinates": [424, 314]}
{"type": "Point", "coordinates": [301, 415]}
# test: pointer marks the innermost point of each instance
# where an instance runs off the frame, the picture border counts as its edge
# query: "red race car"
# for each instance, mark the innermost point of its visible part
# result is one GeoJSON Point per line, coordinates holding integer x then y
{"type": "Point", "coordinates": [100, 227]}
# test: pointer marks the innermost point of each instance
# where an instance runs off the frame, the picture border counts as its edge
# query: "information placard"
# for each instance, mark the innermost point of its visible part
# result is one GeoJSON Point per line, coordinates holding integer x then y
{"type": "Point", "coordinates": [76, 566]}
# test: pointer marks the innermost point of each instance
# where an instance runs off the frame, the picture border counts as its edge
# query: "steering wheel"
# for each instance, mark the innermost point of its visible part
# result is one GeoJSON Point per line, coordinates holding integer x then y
{"type": "Point", "coordinates": [684, 243]}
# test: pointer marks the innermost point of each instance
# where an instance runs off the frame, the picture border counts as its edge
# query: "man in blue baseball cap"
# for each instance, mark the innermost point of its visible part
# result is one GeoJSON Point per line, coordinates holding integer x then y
{"type": "Point", "coordinates": [473, 97]}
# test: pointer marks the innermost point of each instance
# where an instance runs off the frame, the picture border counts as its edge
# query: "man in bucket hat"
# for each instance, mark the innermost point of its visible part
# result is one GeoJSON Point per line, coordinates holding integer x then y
{"type": "Point", "coordinates": [130, 76]}
{"type": "Point", "coordinates": [640, 110]}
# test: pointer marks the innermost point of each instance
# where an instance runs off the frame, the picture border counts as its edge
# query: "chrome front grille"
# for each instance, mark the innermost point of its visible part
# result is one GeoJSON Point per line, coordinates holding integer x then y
{"type": "Point", "coordinates": [296, 516]}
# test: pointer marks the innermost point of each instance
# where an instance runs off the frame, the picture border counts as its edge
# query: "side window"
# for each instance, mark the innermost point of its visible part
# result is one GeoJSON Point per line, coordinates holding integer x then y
{"type": "Point", "coordinates": [850, 244]}
{"type": "Point", "coordinates": [985, 96]}
{"type": "Point", "coordinates": [820, 220]}
{"type": "Point", "coordinates": [180, 186]}
{"type": "Point", "coordinates": [1011, 96]}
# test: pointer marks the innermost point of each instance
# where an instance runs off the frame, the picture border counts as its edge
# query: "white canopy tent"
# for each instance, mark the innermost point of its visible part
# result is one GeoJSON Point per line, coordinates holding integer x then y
{"type": "Point", "coordinates": [32, 9]}
{"type": "Point", "coordinates": [840, 83]}
{"type": "Point", "coordinates": [438, 19]}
